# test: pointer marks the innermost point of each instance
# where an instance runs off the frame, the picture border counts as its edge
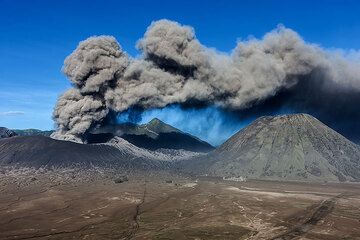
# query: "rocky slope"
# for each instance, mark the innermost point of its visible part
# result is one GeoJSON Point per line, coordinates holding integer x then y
{"type": "Point", "coordinates": [289, 147]}
{"type": "Point", "coordinates": [170, 155]}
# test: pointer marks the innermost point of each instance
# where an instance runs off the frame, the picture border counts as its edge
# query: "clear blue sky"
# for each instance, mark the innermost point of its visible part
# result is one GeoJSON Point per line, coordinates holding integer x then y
{"type": "Point", "coordinates": [36, 36]}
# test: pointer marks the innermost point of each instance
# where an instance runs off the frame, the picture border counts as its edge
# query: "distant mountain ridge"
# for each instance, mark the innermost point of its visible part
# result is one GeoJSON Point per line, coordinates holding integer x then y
{"type": "Point", "coordinates": [288, 147]}
{"type": "Point", "coordinates": [6, 133]}
{"type": "Point", "coordinates": [153, 135]}
{"type": "Point", "coordinates": [32, 132]}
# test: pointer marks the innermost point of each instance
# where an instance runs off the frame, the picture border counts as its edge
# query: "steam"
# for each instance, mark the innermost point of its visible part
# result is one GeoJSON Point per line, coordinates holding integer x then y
{"type": "Point", "coordinates": [176, 69]}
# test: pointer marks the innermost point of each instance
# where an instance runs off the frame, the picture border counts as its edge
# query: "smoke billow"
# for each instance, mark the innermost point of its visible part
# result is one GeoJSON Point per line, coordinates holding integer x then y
{"type": "Point", "coordinates": [93, 68]}
{"type": "Point", "coordinates": [280, 70]}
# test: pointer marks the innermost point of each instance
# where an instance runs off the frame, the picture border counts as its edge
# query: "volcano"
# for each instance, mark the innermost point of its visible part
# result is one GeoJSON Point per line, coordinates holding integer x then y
{"type": "Point", "coordinates": [289, 147]}
{"type": "Point", "coordinates": [45, 152]}
{"type": "Point", "coordinates": [148, 146]}
{"type": "Point", "coordinates": [152, 136]}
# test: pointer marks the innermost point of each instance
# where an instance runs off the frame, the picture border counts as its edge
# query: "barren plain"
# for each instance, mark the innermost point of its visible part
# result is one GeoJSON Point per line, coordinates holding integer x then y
{"type": "Point", "coordinates": [77, 205]}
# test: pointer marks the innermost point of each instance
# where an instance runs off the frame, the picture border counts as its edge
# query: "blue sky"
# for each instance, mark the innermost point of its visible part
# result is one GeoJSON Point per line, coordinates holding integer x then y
{"type": "Point", "coordinates": [36, 36]}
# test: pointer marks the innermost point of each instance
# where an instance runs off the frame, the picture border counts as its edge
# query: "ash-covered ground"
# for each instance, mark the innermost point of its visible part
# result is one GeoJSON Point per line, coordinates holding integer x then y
{"type": "Point", "coordinates": [89, 204]}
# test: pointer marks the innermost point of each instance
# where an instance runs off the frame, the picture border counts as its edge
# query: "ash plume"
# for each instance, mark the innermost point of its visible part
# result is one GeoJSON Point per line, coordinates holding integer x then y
{"type": "Point", "coordinates": [93, 68]}
{"type": "Point", "coordinates": [175, 68]}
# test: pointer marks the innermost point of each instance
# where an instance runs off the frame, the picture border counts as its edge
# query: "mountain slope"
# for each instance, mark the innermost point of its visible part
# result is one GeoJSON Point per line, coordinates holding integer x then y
{"type": "Point", "coordinates": [40, 151]}
{"type": "Point", "coordinates": [289, 147]}
{"type": "Point", "coordinates": [152, 136]}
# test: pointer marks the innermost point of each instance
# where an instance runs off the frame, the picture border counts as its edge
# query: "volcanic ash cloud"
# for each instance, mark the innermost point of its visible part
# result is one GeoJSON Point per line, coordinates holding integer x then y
{"type": "Point", "coordinates": [174, 68]}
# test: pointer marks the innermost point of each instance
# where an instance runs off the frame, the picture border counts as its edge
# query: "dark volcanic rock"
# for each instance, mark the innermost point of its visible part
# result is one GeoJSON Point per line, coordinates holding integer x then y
{"type": "Point", "coordinates": [289, 147]}
{"type": "Point", "coordinates": [121, 179]}
{"type": "Point", "coordinates": [40, 151]}
{"type": "Point", "coordinates": [6, 133]}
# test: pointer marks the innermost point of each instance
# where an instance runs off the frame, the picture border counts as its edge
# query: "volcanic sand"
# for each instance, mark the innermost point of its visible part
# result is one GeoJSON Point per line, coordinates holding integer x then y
{"type": "Point", "coordinates": [46, 207]}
